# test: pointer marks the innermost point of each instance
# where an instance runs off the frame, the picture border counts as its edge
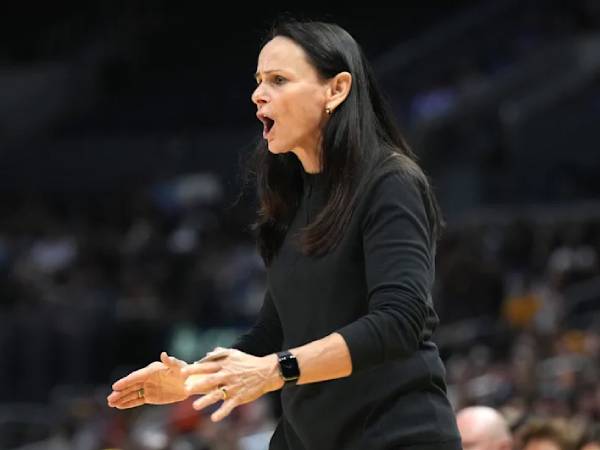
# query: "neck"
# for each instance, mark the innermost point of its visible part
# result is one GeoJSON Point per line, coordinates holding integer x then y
{"type": "Point", "coordinates": [309, 160]}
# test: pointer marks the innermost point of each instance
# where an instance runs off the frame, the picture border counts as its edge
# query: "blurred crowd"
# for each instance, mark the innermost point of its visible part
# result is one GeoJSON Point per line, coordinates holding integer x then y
{"type": "Point", "coordinates": [91, 289]}
{"type": "Point", "coordinates": [521, 301]}
{"type": "Point", "coordinates": [483, 427]}
{"type": "Point", "coordinates": [112, 275]}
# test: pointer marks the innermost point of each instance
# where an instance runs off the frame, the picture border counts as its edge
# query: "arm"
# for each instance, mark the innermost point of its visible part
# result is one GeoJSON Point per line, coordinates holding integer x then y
{"type": "Point", "coordinates": [399, 265]}
{"type": "Point", "coordinates": [324, 359]}
{"type": "Point", "coordinates": [400, 272]}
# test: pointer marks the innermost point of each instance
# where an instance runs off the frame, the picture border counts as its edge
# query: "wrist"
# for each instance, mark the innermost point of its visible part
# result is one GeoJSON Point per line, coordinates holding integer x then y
{"type": "Point", "coordinates": [275, 380]}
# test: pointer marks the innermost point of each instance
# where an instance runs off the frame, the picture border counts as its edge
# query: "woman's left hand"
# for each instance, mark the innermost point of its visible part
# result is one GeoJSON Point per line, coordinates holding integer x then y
{"type": "Point", "coordinates": [233, 376]}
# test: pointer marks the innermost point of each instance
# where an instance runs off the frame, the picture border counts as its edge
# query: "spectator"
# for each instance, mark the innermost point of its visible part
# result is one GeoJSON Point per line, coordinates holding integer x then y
{"type": "Point", "coordinates": [545, 435]}
{"type": "Point", "coordinates": [483, 428]}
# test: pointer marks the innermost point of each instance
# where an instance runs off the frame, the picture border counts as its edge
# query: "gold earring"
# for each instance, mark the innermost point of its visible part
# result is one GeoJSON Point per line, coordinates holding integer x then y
{"type": "Point", "coordinates": [328, 110]}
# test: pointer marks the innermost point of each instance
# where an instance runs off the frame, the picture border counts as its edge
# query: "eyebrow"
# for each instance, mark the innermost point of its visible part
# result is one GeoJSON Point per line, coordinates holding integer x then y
{"type": "Point", "coordinates": [257, 74]}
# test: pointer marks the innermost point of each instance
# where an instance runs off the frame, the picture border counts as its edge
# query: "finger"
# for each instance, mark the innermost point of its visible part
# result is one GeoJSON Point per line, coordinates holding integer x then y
{"type": "Point", "coordinates": [125, 399]}
{"type": "Point", "coordinates": [212, 357]}
{"type": "Point", "coordinates": [127, 390]}
{"type": "Point", "coordinates": [207, 400]}
{"type": "Point", "coordinates": [216, 354]}
{"type": "Point", "coordinates": [116, 396]}
{"type": "Point", "coordinates": [225, 409]}
{"type": "Point", "coordinates": [197, 384]}
{"type": "Point", "coordinates": [134, 377]}
{"type": "Point", "coordinates": [171, 361]}
{"type": "Point", "coordinates": [218, 349]}
{"type": "Point", "coordinates": [200, 368]}
{"type": "Point", "coordinates": [132, 404]}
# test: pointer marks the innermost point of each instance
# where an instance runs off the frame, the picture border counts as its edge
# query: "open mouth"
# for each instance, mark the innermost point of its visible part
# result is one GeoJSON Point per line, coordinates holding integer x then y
{"type": "Point", "coordinates": [268, 124]}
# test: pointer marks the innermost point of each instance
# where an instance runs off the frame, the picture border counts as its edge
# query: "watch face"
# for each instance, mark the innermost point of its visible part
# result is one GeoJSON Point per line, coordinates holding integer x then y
{"type": "Point", "coordinates": [289, 367]}
{"type": "Point", "coordinates": [287, 364]}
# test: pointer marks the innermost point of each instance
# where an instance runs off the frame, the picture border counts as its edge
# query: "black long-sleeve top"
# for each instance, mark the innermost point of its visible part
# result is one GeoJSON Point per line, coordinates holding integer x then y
{"type": "Point", "coordinates": [374, 289]}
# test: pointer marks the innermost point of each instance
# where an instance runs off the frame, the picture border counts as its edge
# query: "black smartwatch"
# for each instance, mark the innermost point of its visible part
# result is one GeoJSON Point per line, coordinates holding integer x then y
{"type": "Point", "coordinates": [288, 367]}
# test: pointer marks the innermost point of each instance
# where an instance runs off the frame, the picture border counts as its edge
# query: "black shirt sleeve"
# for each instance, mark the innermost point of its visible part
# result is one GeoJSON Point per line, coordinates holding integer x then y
{"type": "Point", "coordinates": [399, 273]}
{"type": "Point", "coordinates": [265, 336]}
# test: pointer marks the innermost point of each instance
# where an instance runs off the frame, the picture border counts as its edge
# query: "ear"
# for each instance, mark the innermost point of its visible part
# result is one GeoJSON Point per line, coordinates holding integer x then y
{"type": "Point", "coordinates": [337, 90]}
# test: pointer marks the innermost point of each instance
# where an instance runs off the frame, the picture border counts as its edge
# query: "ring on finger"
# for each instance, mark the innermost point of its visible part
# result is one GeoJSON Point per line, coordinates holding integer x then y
{"type": "Point", "coordinates": [224, 392]}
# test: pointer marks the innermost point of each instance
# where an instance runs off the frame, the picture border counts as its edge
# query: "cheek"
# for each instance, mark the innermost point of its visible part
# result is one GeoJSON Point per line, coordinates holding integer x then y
{"type": "Point", "coordinates": [303, 107]}
{"type": "Point", "coordinates": [306, 116]}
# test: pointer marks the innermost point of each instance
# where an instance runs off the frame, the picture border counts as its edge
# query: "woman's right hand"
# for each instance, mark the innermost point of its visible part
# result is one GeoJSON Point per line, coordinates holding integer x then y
{"type": "Point", "coordinates": [162, 382]}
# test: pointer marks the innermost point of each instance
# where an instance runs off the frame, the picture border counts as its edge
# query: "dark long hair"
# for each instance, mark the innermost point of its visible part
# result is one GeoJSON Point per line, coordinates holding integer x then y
{"type": "Point", "coordinates": [360, 143]}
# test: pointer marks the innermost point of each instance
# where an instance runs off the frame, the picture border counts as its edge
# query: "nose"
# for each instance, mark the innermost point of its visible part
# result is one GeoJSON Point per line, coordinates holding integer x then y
{"type": "Point", "coordinates": [259, 96]}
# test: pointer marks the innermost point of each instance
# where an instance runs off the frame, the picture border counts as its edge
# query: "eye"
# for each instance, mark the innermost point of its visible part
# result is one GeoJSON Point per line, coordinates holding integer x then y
{"type": "Point", "coordinates": [278, 79]}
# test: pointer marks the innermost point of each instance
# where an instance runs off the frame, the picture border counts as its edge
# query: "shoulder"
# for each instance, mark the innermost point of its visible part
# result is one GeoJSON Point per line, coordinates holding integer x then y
{"type": "Point", "coordinates": [391, 195]}
{"type": "Point", "coordinates": [397, 172]}
{"type": "Point", "coordinates": [394, 185]}
{"type": "Point", "coordinates": [396, 182]}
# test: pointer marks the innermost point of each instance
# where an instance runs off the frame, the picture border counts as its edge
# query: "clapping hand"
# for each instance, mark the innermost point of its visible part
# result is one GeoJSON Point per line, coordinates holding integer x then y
{"type": "Point", "coordinates": [158, 383]}
{"type": "Point", "coordinates": [232, 376]}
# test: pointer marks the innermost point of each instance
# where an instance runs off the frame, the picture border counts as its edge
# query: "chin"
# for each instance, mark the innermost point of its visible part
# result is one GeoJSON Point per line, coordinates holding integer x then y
{"type": "Point", "coordinates": [276, 149]}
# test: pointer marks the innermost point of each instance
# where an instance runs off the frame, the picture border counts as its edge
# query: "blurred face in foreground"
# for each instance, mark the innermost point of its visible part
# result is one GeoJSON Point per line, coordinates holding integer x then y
{"type": "Point", "coordinates": [542, 444]}
{"type": "Point", "coordinates": [291, 100]}
{"type": "Point", "coordinates": [591, 446]}
{"type": "Point", "coordinates": [482, 428]}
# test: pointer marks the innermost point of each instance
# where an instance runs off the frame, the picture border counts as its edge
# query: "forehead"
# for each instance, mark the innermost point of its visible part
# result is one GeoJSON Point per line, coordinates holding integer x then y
{"type": "Point", "coordinates": [283, 53]}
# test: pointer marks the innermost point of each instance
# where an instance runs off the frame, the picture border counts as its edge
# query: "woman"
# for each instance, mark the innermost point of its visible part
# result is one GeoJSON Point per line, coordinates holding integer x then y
{"type": "Point", "coordinates": [347, 227]}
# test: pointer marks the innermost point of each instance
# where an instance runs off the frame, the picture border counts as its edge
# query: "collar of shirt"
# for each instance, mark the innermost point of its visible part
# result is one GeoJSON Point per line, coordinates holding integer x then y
{"type": "Point", "coordinates": [313, 183]}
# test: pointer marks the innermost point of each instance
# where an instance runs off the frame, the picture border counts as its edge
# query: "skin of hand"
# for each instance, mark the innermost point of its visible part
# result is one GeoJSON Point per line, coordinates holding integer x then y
{"type": "Point", "coordinates": [245, 378]}
{"type": "Point", "coordinates": [163, 382]}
